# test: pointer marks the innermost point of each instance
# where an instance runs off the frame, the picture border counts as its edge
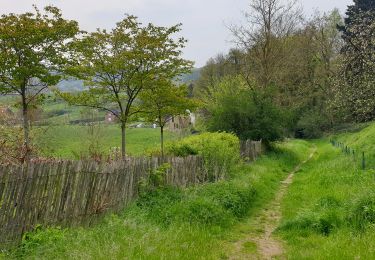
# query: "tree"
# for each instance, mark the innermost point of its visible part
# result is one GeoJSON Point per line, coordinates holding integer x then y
{"type": "Point", "coordinates": [268, 22]}
{"type": "Point", "coordinates": [120, 64]}
{"type": "Point", "coordinates": [355, 92]}
{"type": "Point", "coordinates": [164, 100]}
{"type": "Point", "coordinates": [218, 68]}
{"type": "Point", "coordinates": [308, 73]}
{"type": "Point", "coordinates": [34, 49]}
{"type": "Point", "coordinates": [247, 112]}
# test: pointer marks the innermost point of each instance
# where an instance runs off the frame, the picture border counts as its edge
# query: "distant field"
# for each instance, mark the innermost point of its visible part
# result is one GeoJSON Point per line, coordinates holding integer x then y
{"type": "Point", "coordinates": [60, 133]}
{"type": "Point", "coordinates": [68, 141]}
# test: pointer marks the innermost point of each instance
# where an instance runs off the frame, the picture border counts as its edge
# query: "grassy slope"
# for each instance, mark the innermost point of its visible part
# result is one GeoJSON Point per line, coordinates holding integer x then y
{"type": "Point", "coordinates": [329, 211]}
{"type": "Point", "coordinates": [362, 141]}
{"type": "Point", "coordinates": [67, 140]}
{"type": "Point", "coordinates": [188, 224]}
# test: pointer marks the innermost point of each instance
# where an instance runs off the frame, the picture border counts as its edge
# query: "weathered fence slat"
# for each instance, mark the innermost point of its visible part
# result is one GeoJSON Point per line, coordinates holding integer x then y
{"type": "Point", "coordinates": [250, 150]}
{"type": "Point", "coordinates": [72, 193]}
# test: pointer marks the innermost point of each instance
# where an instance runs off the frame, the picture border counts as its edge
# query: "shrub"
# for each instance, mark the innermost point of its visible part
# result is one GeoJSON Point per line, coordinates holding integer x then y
{"type": "Point", "coordinates": [312, 124]}
{"type": "Point", "coordinates": [219, 150]}
{"type": "Point", "coordinates": [40, 237]}
{"type": "Point", "coordinates": [250, 113]}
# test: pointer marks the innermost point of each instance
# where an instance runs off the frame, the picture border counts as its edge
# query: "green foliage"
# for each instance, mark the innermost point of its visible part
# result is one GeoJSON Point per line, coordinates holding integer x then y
{"type": "Point", "coordinates": [164, 100]}
{"type": "Point", "coordinates": [248, 113]}
{"type": "Point", "coordinates": [182, 150]}
{"type": "Point", "coordinates": [155, 179]}
{"type": "Point", "coordinates": [354, 87]}
{"type": "Point", "coordinates": [35, 50]}
{"type": "Point", "coordinates": [39, 237]}
{"type": "Point", "coordinates": [220, 151]}
{"type": "Point", "coordinates": [118, 65]}
{"type": "Point", "coordinates": [312, 124]}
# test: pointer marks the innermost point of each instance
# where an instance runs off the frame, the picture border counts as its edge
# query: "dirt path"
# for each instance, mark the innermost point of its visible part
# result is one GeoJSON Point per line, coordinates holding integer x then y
{"type": "Point", "coordinates": [265, 245]}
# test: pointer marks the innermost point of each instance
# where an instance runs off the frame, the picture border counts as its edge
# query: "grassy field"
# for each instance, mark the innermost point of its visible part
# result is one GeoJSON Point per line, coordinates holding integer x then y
{"type": "Point", "coordinates": [329, 211]}
{"type": "Point", "coordinates": [56, 136]}
{"type": "Point", "coordinates": [70, 141]}
{"type": "Point", "coordinates": [170, 223]}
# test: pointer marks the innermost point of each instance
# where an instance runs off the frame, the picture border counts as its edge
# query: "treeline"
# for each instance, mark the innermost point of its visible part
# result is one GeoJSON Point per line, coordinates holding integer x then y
{"type": "Point", "coordinates": [292, 76]}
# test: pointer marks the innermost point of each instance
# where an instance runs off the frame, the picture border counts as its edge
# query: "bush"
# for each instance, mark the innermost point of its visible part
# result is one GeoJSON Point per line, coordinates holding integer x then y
{"type": "Point", "coordinates": [40, 237]}
{"type": "Point", "coordinates": [219, 150]}
{"type": "Point", "coordinates": [250, 113]}
{"type": "Point", "coordinates": [312, 124]}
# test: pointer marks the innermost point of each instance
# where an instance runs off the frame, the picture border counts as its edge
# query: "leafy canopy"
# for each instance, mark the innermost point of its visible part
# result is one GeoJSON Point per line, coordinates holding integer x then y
{"type": "Point", "coordinates": [34, 49]}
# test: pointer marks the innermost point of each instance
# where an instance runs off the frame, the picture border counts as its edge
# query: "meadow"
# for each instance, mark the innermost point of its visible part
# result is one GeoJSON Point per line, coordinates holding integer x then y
{"type": "Point", "coordinates": [62, 131]}
{"type": "Point", "coordinates": [72, 141]}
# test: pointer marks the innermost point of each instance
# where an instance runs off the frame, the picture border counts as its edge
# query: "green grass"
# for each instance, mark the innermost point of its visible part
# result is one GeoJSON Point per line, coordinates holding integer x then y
{"type": "Point", "coordinates": [171, 223]}
{"type": "Point", "coordinates": [58, 138]}
{"type": "Point", "coordinates": [361, 141]}
{"type": "Point", "coordinates": [67, 141]}
{"type": "Point", "coordinates": [329, 210]}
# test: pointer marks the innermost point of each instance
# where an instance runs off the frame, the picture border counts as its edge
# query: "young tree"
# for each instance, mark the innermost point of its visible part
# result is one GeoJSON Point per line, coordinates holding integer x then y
{"type": "Point", "coordinates": [33, 51]}
{"type": "Point", "coordinates": [164, 100]}
{"type": "Point", "coordinates": [120, 64]}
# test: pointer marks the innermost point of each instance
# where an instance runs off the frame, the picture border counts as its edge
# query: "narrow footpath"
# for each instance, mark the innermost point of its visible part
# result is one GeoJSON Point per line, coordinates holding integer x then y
{"type": "Point", "coordinates": [260, 242]}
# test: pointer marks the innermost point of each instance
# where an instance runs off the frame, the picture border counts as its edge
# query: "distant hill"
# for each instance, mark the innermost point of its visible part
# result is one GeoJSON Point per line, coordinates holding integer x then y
{"type": "Point", "coordinates": [72, 85]}
{"type": "Point", "coordinates": [191, 77]}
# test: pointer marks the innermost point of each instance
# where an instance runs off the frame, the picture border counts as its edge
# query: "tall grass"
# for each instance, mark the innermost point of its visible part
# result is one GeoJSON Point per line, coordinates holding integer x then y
{"type": "Point", "coordinates": [329, 211]}
{"type": "Point", "coordinates": [170, 223]}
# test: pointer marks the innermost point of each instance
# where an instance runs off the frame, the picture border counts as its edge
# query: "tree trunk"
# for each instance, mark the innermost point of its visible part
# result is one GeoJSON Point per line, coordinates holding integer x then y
{"type": "Point", "coordinates": [123, 140]}
{"type": "Point", "coordinates": [162, 141]}
{"type": "Point", "coordinates": [26, 129]}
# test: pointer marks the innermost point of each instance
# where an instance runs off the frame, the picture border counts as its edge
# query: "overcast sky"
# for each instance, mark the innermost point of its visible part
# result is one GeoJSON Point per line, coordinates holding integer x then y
{"type": "Point", "coordinates": [204, 21]}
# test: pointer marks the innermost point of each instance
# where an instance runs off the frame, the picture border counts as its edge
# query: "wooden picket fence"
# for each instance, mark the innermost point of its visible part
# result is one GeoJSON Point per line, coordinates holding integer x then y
{"type": "Point", "coordinates": [250, 150]}
{"type": "Point", "coordinates": [70, 193]}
